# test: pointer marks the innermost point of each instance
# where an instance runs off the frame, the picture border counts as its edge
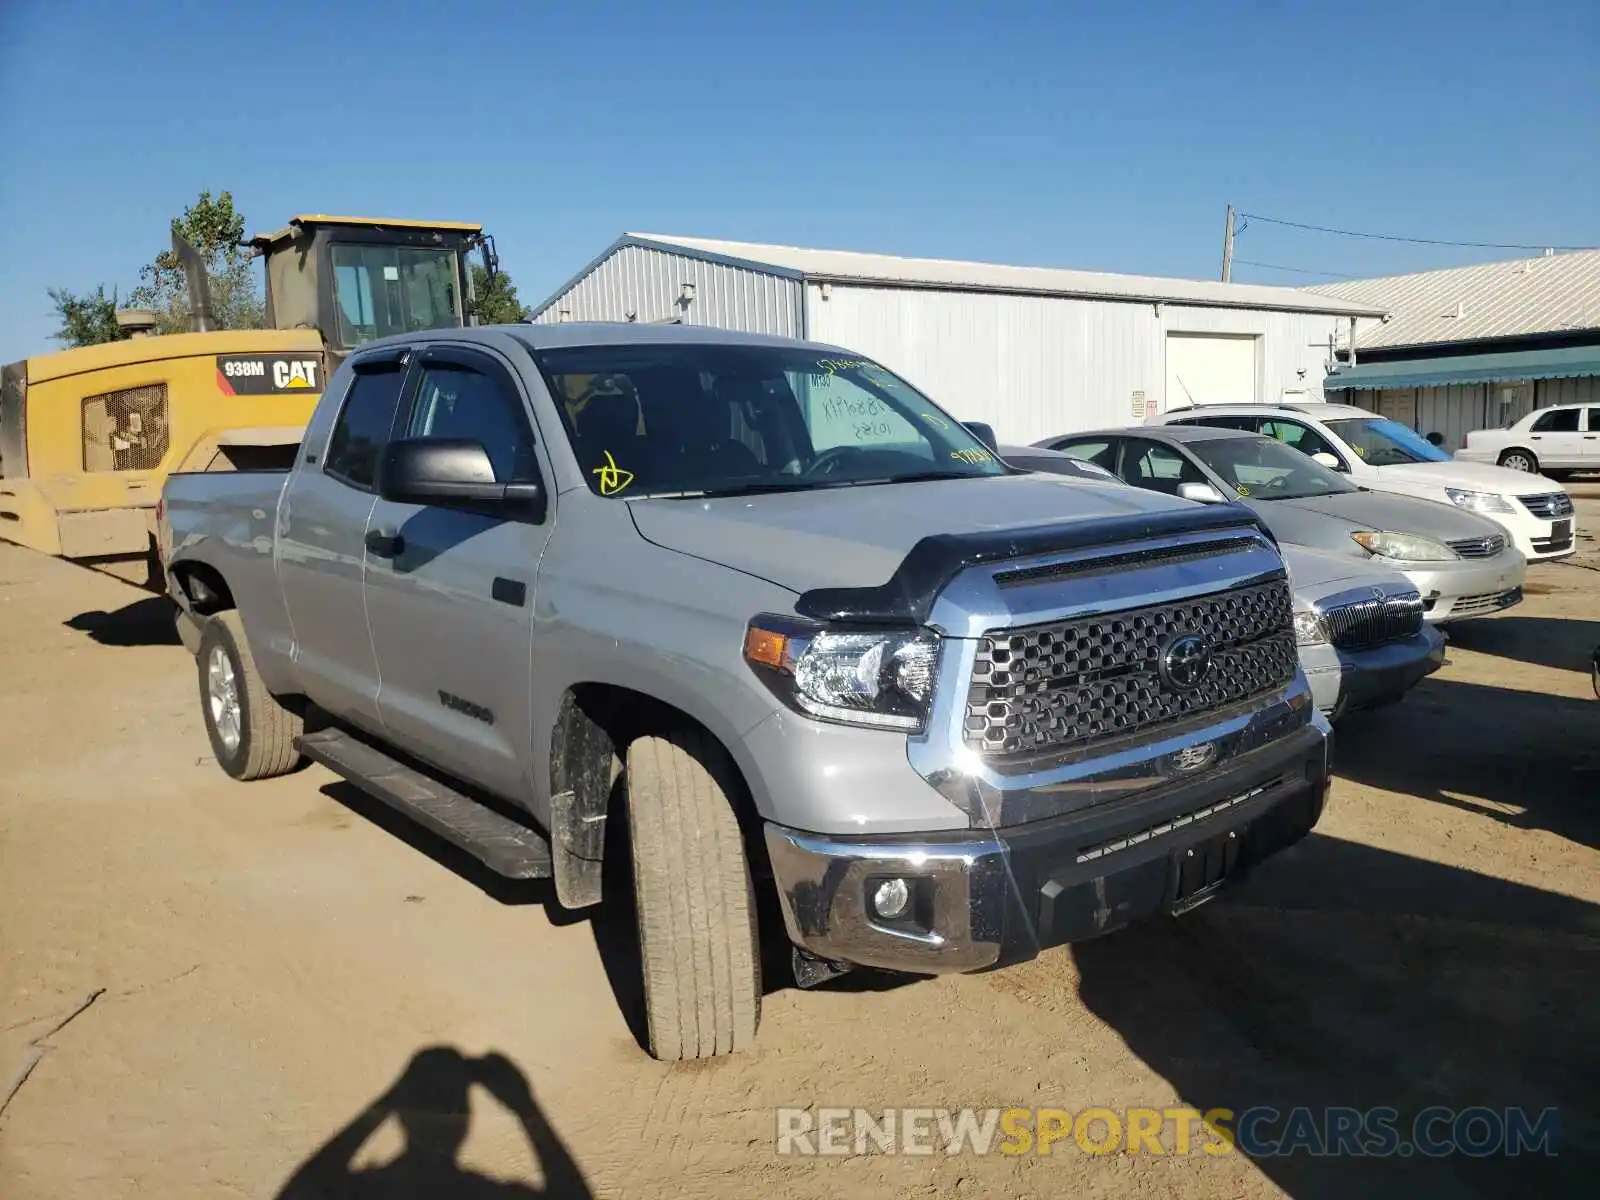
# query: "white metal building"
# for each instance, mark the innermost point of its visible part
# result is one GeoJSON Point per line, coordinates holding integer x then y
{"type": "Point", "coordinates": [1475, 347]}
{"type": "Point", "coordinates": [1034, 351]}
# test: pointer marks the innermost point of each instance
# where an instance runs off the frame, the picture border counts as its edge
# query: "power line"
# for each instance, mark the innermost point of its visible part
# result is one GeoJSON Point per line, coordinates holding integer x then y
{"type": "Point", "coordinates": [1245, 262]}
{"type": "Point", "coordinates": [1386, 237]}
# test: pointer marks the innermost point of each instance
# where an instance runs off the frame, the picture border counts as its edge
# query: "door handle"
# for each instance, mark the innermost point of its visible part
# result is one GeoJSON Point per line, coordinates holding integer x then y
{"type": "Point", "coordinates": [385, 545]}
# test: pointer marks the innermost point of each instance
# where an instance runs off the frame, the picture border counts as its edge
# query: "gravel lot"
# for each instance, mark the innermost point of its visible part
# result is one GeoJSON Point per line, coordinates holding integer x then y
{"type": "Point", "coordinates": [292, 986]}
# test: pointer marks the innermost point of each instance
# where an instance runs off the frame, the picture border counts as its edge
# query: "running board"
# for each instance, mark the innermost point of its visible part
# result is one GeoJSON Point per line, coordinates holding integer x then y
{"type": "Point", "coordinates": [505, 846]}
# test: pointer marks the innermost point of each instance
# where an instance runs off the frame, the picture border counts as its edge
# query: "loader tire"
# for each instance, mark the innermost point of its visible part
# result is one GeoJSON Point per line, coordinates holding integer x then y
{"type": "Point", "coordinates": [694, 901]}
{"type": "Point", "coordinates": [254, 736]}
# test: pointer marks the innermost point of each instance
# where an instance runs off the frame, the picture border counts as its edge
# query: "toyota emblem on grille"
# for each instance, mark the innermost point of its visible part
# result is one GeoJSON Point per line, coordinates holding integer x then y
{"type": "Point", "coordinates": [1186, 661]}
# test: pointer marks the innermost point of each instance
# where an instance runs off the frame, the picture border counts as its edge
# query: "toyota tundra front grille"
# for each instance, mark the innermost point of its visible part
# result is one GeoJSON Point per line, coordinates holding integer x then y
{"type": "Point", "coordinates": [1068, 684]}
{"type": "Point", "coordinates": [1377, 622]}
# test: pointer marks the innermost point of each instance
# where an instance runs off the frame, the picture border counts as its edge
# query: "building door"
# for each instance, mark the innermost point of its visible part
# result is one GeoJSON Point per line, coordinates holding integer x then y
{"type": "Point", "coordinates": [1208, 368]}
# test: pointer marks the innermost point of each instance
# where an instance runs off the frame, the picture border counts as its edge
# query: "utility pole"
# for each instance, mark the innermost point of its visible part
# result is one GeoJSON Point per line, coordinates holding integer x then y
{"type": "Point", "coordinates": [1227, 248]}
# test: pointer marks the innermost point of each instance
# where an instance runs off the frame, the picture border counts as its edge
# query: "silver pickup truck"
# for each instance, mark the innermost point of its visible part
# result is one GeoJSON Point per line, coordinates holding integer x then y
{"type": "Point", "coordinates": [774, 620]}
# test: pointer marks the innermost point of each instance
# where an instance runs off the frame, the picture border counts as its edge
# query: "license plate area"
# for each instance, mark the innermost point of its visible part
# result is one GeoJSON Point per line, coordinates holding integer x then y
{"type": "Point", "coordinates": [1200, 870]}
{"type": "Point", "coordinates": [1561, 531]}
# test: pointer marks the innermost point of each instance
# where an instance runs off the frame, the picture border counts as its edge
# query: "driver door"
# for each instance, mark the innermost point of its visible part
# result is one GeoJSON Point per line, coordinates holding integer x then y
{"type": "Point", "coordinates": [450, 589]}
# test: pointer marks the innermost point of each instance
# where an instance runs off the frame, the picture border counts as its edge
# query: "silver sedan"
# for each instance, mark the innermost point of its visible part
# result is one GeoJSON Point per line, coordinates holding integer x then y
{"type": "Point", "coordinates": [1462, 564]}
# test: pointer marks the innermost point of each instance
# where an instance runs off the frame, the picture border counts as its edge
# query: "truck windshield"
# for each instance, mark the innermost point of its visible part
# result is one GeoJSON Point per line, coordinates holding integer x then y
{"type": "Point", "coordinates": [393, 289]}
{"type": "Point", "coordinates": [703, 419]}
{"type": "Point", "coordinates": [1380, 442]}
{"type": "Point", "coordinates": [1263, 468]}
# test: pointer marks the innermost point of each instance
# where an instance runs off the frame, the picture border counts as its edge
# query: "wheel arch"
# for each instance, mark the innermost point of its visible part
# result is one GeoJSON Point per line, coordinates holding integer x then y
{"type": "Point", "coordinates": [595, 722]}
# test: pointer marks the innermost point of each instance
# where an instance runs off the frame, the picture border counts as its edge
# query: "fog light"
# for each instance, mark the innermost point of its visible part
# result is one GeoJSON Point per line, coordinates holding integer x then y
{"type": "Point", "coordinates": [891, 898]}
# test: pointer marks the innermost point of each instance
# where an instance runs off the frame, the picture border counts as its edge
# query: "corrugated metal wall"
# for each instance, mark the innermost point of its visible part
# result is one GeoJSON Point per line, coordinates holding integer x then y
{"type": "Point", "coordinates": [1033, 366]}
{"type": "Point", "coordinates": [648, 283]}
{"type": "Point", "coordinates": [1458, 408]}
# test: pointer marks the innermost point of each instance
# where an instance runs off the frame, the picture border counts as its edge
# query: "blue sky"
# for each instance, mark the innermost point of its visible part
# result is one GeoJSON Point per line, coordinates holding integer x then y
{"type": "Point", "coordinates": [1103, 136]}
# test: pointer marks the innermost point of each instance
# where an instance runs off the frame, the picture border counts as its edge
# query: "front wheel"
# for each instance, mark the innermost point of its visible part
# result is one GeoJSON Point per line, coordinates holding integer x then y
{"type": "Point", "coordinates": [1520, 460]}
{"type": "Point", "coordinates": [694, 900]}
{"type": "Point", "coordinates": [252, 734]}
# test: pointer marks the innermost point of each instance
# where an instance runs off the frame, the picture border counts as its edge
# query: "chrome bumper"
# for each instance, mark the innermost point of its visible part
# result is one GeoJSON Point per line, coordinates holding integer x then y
{"type": "Point", "coordinates": [1343, 680]}
{"type": "Point", "coordinates": [985, 899]}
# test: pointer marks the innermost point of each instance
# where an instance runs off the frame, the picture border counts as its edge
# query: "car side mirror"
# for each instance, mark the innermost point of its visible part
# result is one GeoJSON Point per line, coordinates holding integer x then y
{"type": "Point", "coordinates": [984, 433]}
{"type": "Point", "coordinates": [1200, 493]}
{"type": "Point", "coordinates": [1327, 460]}
{"type": "Point", "coordinates": [448, 471]}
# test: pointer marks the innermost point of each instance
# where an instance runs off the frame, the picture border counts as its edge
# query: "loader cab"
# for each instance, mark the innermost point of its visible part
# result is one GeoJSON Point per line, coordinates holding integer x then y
{"type": "Point", "coordinates": [359, 278]}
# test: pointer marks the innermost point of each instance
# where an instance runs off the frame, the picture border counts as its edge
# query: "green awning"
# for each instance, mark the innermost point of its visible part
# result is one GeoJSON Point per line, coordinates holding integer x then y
{"type": "Point", "coordinates": [1570, 362]}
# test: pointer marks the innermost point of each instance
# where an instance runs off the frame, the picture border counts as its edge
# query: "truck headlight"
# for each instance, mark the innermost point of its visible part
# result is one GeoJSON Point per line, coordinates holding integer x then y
{"type": "Point", "coordinates": [882, 680]}
{"type": "Point", "coordinates": [1309, 628]}
{"type": "Point", "coordinates": [1406, 547]}
{"type": "Point", "coordinates": [1479, 502]}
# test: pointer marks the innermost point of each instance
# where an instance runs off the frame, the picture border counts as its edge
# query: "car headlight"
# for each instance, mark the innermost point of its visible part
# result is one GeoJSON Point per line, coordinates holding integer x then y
{"type": "Point", "coordinates": [882, 680]}
{"type": "Point", "coordinates": [1406, 547]}
{"type": "Point", "coordinates": [1309, 628]}
{"type": "Point", "coordinates": [1479, 502]}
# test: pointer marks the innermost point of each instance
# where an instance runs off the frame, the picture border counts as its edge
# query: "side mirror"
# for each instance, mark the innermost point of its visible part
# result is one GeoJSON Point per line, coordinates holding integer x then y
{"type": "Point", "coordinates": [1327, 460]}
{"type": "Point", "coordinates": [448, 471]}
{"type": "Point", "coordinates": [984, 433]}
{"type": "Point", "coordinates": [1200, 493]}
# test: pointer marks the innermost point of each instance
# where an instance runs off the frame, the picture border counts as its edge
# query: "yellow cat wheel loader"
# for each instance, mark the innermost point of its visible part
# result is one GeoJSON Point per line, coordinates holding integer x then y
{"type": "Point", "coordinates": [88, 436]}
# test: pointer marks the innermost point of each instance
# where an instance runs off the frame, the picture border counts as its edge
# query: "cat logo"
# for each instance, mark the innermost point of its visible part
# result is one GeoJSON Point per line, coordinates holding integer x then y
{"type": "Point", "coordinates": [267, 374]}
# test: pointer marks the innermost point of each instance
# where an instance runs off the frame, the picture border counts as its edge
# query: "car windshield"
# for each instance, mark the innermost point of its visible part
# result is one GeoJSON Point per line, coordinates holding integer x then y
{"type": "Point", "coordinates": [1263, 468]}
{"type": "Point", "coordinates": [1380, 442]}
{"type": "Point", "coordinates": [692, 419]}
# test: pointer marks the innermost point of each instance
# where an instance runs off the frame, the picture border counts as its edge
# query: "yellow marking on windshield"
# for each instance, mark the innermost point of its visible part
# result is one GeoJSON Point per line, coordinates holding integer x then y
{"type": "Point", "coordinates": [832, 365]}
{"type": "Point", "coordinates": [937, 422]}
{"type": "Point", "coordinates": [971, 456]}
{"type": "Point", "coordinates": [1241, 489]}
{"type": "Point", "coordinates": [613, 479]}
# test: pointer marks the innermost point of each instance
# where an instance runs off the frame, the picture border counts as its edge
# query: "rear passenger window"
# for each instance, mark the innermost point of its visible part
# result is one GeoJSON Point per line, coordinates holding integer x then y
{"type": "Point", "coordinates": [1594, 420]}
{"type": "Point", "coordinates": [455, 401]}
{"type": "Point", "coordinates": [362, 430]}
{"type": "Point", "coordinates": [1101, 453]}
{"type": "Point", "coordinates": [1558, 420]}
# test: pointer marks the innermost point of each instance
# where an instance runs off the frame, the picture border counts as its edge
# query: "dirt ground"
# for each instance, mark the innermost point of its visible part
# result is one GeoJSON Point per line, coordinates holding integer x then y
{"type": "Point", "coordinates": [292, 985]}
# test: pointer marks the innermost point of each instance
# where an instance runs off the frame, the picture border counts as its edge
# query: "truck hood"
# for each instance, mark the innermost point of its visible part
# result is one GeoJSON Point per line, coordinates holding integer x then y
{"type": "Point", "coordinates": [1417, 478]}
{"type": "Point", "coordinates": [857, 536]}
{"type": "Point", "coordinates": [1396, 513]}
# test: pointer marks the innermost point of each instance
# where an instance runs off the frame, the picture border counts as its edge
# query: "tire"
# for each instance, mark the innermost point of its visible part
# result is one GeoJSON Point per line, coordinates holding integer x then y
{"type": "Point", "coordinates": [694, 899]}
{"type": "Point", "coordinates": [1520, 460]}
{"type": "Point", "coordinates": [263, 730]}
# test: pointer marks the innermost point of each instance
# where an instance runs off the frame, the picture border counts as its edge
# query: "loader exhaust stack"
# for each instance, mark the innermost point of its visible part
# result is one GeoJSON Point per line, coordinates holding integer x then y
{"type": "Point", "coordinates": [201, 319]}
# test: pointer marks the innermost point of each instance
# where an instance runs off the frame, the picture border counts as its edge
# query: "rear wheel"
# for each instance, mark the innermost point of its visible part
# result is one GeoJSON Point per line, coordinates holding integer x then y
{"type": "Point", "coordinates": [252, 734]}
{"type": "Point", "coordinates": [694, 899]}
{"type": "Point", "coordinates": [1520, 460]}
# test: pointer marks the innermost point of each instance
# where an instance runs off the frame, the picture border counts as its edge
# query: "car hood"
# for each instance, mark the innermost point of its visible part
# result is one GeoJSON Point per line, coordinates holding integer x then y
{"type": "Point", "coordinates": [1397, 514]}
{"type": "Point", "coordinates": [1471, 476]}
{"type": "Point", "coordinates": [857, 536]}
{"type": "Point", "coordinates": [1317, 573]}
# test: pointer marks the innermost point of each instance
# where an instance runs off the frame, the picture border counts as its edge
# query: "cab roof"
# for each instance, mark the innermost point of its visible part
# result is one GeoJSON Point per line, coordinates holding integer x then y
{"type": "Point", "coordinates": [309, 219]}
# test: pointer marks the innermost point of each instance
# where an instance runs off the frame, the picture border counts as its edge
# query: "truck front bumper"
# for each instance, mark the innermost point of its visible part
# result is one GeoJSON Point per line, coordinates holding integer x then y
{"type": "Point", "coordinates": [978, 900]}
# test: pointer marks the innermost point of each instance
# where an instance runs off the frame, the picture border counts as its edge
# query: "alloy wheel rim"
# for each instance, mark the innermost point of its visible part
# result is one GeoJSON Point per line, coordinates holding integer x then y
{"type": "Point", "coordinates": [223, 697]}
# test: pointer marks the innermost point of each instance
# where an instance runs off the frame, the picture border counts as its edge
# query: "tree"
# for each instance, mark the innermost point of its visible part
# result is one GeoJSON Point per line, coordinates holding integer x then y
{"type": "Point", "coordinates": [216, 229]}
{"type": "Point", "coordinates": [86, 320]}
{"type": "Point", "coordinates": [496, 302]}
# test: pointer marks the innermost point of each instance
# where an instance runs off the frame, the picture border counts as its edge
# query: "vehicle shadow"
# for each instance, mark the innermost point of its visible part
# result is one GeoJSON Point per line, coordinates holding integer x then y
{"type": "Point", "coordinates": [1522, 758]}
{"type": "Point", "coordinates": [1565, 643]}
{"type": "Point", "coordinates": [1342, 975]}
{"type": "Point", "coordinates": [612, 922]}
{"type": "Point", "coordinates": [147, 622]}
{"type": "Point", "coordinates": [431, 1102]}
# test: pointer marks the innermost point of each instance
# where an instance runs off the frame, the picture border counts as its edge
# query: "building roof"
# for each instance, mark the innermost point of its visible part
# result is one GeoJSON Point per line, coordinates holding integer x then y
{"type": "Point", "coordinates": [849, 266]}
{"type": "Point", "coordinates": [1553, 293]}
